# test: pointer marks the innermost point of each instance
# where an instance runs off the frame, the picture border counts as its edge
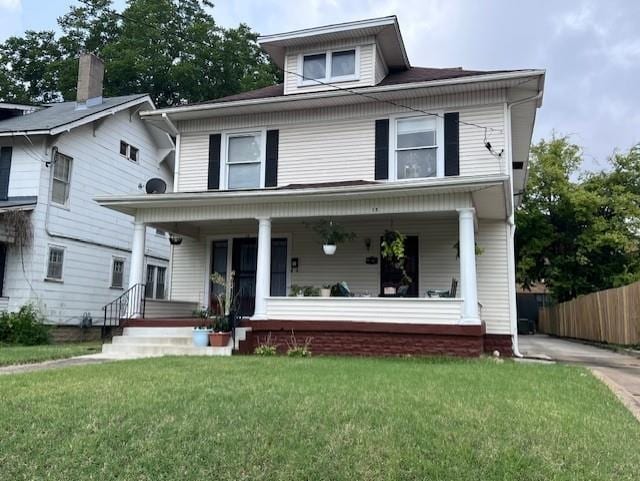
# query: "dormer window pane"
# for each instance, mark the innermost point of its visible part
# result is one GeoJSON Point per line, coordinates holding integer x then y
{"type": "Point", "coordinates": [343, 63]}
{"type": "Point", "coordinates": [314, 66]}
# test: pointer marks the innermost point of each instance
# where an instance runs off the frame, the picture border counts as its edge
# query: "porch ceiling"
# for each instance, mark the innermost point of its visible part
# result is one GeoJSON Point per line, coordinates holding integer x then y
{"type": "Point", "coordinates": [182, 212]}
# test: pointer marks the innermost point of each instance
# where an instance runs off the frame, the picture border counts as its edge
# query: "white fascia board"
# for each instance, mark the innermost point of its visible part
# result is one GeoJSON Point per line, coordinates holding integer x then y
{"type": "Point", "coordinates": [402, 188]}
{"type": "Point", "coordinates": [328, 29]}
{"type": "Point", "coordinates": [336, 93]}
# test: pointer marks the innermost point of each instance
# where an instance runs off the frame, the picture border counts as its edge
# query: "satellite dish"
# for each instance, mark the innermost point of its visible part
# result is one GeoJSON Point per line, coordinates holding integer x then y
{"type": "Point", "coordinates": [155, 186]}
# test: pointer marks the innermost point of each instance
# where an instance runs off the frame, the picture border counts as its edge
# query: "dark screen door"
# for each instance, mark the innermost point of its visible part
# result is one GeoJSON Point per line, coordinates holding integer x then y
{"type": "Point", "coordinates": [391, 275]}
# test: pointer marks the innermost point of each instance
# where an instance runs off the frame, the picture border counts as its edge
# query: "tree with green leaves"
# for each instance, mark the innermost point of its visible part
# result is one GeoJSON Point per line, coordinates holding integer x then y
{"type": "Point", "coordinates": [171, 49]}
{"type": "Point", "coordinates": [578, 232]}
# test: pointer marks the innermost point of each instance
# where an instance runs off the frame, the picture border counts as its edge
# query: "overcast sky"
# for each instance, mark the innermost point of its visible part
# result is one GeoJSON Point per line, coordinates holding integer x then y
{"type": "Point", "coordinates": [591, 50]}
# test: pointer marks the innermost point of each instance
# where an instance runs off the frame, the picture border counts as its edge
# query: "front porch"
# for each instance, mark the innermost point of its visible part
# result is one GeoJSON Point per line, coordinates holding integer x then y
{"type": "Point", "coordinates": [272, 253]}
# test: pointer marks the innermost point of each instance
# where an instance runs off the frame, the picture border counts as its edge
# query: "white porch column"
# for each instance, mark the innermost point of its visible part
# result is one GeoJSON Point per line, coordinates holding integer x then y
{"type": "Point", "coordinates": [468, 281]}
{"type": "Point", "coordinates": [136, 270]}
{"type": "Point", "coordinates": [263, 269]}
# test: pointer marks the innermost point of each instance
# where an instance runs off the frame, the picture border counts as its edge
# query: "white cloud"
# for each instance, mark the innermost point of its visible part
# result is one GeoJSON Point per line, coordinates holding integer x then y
{"type": "Point", "coordinates": [13, 5]}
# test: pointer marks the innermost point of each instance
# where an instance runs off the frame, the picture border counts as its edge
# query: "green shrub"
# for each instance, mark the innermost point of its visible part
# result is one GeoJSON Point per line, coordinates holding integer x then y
{"type": "Point", "coordinates": [265, 350]}
{"type": "Point", "coordinates": [24, 327]}
{"type": "Point", "coordinates": [298, 350]}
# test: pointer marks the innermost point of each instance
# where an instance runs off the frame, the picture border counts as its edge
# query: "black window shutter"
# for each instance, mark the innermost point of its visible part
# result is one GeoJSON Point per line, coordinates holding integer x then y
{"type": "Point", "coordinates": [451, 144]}
{"type": "Point", "coordinates": [271, 159]}
{"type": "Point", "coordinates": [5, 170]}
{"type": "Point", "coordinates": [213, 179]}
{"type": "Point", "coordinates": [382, 149]}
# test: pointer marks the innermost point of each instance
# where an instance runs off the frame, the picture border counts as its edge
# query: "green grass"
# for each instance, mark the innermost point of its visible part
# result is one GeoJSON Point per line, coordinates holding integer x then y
{"type": "Point", "coordinates": [251, 418]}
{"type": "Point", "coordinates": [27, 354]}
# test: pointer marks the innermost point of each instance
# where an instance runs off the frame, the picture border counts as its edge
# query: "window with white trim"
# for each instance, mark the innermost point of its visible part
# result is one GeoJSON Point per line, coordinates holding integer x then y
{"type": "Point", "coordinates": [117, 273]}
{"type": "Point", "coordinates": [155, 287]}
{"type": "Point", "coordinates": [416, 147]}
{"type": "Point", "coordinates": [129, 151]}
{"type": "Point", "coordinates": [55, 263]}
{"type": "Point", "coordinates": [333, 65]}
{"type": "Point", "coordinates": [61, 179]}
{"type": "Point", "coordinates": [244, 159]}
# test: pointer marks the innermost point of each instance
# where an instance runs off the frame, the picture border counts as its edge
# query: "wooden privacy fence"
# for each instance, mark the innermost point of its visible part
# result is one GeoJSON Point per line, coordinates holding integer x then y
{"type": "Point", "coordinates": [611, 316]}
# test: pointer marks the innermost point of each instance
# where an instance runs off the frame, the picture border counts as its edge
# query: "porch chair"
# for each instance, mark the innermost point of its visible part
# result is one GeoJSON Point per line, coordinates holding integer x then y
{"type": "Point", "coordinates": [453, 290]}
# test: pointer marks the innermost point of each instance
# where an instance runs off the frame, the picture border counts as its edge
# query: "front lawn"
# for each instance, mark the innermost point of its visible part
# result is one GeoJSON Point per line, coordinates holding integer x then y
{"type": "Point", "coordinates": [250, 418]}
{"type": "Point", "coordinates": [28, 354]}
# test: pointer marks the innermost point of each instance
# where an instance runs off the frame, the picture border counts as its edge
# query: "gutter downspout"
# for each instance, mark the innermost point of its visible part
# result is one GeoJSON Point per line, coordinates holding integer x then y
{"type": "Point", "coordinates": [511, 262]}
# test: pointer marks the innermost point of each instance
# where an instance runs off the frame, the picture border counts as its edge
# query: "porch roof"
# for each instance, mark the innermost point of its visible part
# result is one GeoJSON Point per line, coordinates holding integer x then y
{"type": "Point", "coordinates": [488, 194]}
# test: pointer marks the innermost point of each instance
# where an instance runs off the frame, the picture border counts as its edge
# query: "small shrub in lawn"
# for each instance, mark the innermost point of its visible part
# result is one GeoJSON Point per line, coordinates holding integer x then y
{"type": "Point", "coordinates": [266, 348]}
{"type": "Point", "coordinates": [298, 350]}
{"type": "Point", "coordinates": [24, 327]}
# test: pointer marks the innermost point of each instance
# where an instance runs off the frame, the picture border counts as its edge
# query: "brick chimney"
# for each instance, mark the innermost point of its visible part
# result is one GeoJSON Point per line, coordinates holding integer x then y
{"type": "Point", "coordinates": [90, 77]}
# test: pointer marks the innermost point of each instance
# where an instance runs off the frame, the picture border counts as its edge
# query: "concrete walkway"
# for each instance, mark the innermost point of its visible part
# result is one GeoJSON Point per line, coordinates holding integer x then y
{"type": "Point", "coordinates": [621, 372]}
{"type": "Point", "coordinates": [55, 364]}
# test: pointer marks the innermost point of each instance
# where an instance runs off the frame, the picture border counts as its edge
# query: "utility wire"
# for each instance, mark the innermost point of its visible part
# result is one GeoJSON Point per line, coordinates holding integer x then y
{"type": "Point", "coordinates": [319, 82]}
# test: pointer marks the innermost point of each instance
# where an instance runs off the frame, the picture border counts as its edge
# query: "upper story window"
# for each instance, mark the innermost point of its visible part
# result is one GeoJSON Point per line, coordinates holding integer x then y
{"type": "Point", "coordinates": [244, 160]}
{"type": "Point", "coordinates": [333, 65]}
{"type": "Point", "coordinates": [416, 152]}
{"type": "Point", "coordinates": [61, 179]}
{"type": "Point", "coordinates": [129, 151]}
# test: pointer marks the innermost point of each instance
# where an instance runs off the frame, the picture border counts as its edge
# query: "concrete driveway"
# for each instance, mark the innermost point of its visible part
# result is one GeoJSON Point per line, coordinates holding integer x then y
{"type": "Point", "coordinates": [621, 372]}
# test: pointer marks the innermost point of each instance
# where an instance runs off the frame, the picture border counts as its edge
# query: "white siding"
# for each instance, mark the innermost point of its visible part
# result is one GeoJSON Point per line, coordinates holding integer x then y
{"type": "Point", "coordinates": [475, 159]}
{"type": "Point", "coordinates": [363, 309]}
{"type": "Point", "coordinates": [26, 162]}
{"type": "Point", "coordinates": [325, 145]}
{"type": "Point", "coordinates": [194, 163]}
{"type": "Point", "coordinates": [380, 71]}
{"type": "Point", "coordinates": [366, 67]}
{"type": "Point", "coordinates": [327, 151]}
{"type": "Point", "coordinates": [493, 276]}
{"type": "Point", "coordinates": [90, 234]}
{"type": "Point", "coordinates": [188, 271]}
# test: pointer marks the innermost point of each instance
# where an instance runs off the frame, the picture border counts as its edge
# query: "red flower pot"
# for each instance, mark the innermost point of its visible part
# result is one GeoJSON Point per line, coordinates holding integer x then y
{"type": "Point", "coordinates": [219, 339]}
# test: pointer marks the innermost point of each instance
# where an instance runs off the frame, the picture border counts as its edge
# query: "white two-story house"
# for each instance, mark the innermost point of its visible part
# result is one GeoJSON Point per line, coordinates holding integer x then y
{"type": "Point", "coordinates": [58, 248]}
{"type": "Point", "coordinates": [357, 137]}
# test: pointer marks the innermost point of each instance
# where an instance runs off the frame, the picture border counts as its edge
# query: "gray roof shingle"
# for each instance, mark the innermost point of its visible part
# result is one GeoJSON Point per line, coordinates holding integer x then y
{"type": "Point", "coordinates": [411, 75]}
{"type": "Point", "coordinates": [57, 115]}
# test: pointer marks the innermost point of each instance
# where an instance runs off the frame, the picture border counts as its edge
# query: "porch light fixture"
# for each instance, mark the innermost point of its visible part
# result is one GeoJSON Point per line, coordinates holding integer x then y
{"type": "Point", "coordinates": [367, 243]}
{"type": "Point", "coordinates": [175, 240]}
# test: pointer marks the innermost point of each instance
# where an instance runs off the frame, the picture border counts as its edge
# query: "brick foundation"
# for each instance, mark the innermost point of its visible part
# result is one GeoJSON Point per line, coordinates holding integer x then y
{"type": "Point", "coordinates": [376, 339]}
{"type": "Point", "coordinates": [498, 342]}
{"type": "Point", "coordinates": [62, 334]}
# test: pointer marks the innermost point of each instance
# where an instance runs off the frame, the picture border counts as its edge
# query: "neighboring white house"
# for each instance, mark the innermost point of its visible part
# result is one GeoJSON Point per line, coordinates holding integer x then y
{"type": "Point", "coordinates": [357, 136]}
{"type": "Point", "coordinates": [54, 161]}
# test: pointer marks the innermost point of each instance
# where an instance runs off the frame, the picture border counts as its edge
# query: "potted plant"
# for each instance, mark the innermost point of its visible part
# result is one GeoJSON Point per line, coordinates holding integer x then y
{"type": "Point", "coordinates": [325, 291]}
{"type": "Point", "coordinates": [331, 235]}
{"type": "Point", "coordinates": [296, 291]}
{"type": "Point", "coordinates": [200, 333]}
{"type": "Point", "coordinates": [220, 332]}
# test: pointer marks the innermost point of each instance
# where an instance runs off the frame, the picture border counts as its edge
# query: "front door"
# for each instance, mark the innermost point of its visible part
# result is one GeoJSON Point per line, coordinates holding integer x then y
{"type": "Point", "coordinates": [392, 276]}
{"type": "Point", "coordinates": [244, 260]}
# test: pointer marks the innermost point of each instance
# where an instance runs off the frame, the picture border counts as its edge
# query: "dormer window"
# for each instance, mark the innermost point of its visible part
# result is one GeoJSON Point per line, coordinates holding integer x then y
{"type": "Point", "coordinates": [330, 66]}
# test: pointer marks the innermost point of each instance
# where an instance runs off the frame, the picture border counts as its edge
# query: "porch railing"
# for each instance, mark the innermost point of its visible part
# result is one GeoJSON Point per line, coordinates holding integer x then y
{"type": "Point", "coordinates": [130, 304]}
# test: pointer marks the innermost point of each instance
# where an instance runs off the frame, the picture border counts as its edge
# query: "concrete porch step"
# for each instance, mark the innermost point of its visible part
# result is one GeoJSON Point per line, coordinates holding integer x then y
{"type": "Point", "coordinates": [151, 350]}
{"type": "Point", "coordinates": [157, 340]}
{"type": "Point", "coordinates": [157, 332]}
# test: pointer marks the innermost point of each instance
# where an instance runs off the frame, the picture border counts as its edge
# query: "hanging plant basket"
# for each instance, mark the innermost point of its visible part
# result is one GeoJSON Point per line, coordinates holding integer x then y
{"type": "Point", "coordinates": [331, 235]}
{"type": "Point", "coordinates": [329, 249]}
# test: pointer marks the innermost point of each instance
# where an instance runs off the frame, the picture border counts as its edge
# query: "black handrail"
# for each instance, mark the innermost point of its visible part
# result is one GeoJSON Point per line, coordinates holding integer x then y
{"type": "Point", "coordinates": [131, 303]}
